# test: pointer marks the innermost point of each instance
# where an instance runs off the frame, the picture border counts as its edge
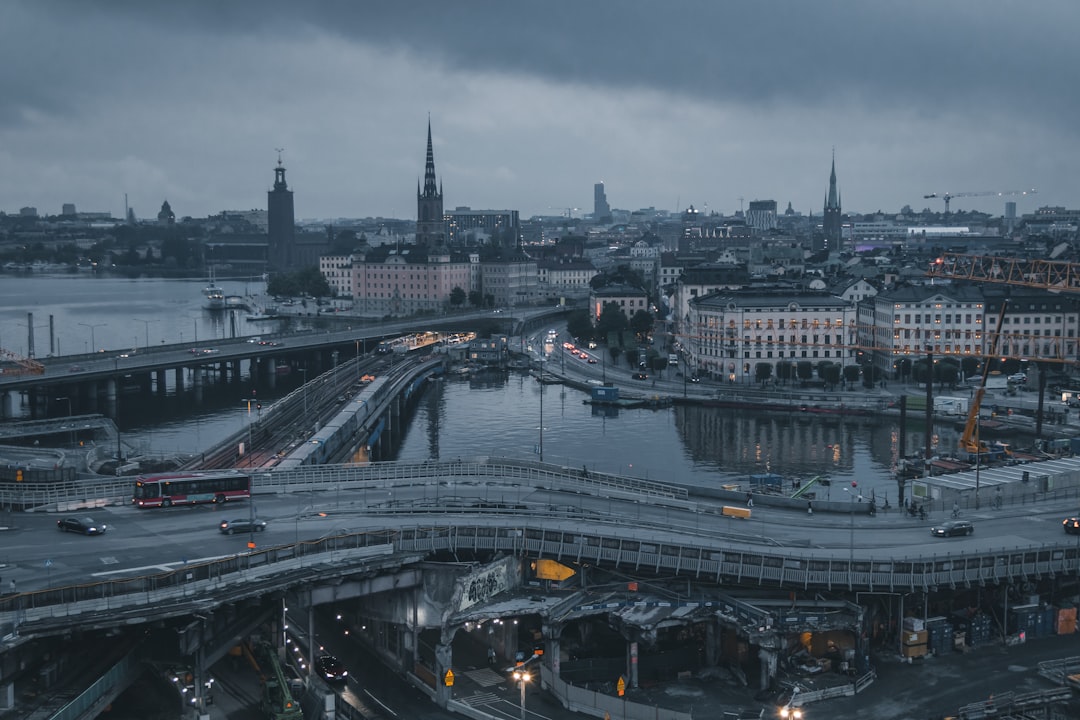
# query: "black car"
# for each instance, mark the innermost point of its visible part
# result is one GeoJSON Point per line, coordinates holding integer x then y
{"type": "Point", "coordinates": [331, 669]}
{"type": "Point", "coordinates": [1071, 525]}
{"type": "Point", "coordinates": [83, 525]}
{"type": "Point", "coordinates": [241, 525]}
{"type": "Point", "coordinates": [640, 376]}
{"type": "Point", "coordinates": [952, 527]}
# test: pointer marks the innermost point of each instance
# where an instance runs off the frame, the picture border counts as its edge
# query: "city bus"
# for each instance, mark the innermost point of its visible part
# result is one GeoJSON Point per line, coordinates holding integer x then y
{"type": "Point", "coordinates": [188, 488]}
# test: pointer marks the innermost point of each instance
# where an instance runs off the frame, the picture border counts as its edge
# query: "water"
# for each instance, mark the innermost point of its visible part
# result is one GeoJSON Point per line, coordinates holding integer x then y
{"type": "Point", "coordinates": [498, 415]}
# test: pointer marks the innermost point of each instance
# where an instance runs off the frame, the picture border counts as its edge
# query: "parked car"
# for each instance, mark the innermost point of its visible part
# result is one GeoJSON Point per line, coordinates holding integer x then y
{"type": "Point", "coordinates": [640, 376]}
{"type": "Point", "coordinates": [84, 525]}
{"type": "Point", "coordinates": [240, 525]}
{"type": "Point", "coordinates": [953, 527]}
{"type": "Point", "coordinates": [1018, 378]}
{"type": "Point", "coordinates": [331, 669]}
{"type": "Point", "coordinates": [1071, 525]}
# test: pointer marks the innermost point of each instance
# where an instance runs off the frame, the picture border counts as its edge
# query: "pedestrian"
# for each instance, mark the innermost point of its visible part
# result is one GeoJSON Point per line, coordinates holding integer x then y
{"type": "Point", "coordinates": [11, 585]}
{"type": "Point", "coordinates": [749, 499]}
{"type": "Point", "coordinates": [809, 507]}
{"type": "Point", "coordinates": [955, 509]}
{"type": "Point", "coordinates": [491, 656]}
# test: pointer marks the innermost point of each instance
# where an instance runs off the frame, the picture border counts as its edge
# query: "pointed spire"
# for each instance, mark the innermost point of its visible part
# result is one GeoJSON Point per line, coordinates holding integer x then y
{"type": "Point", "coordinates": [833, 201]}
{"type": "Point", "coordinates": [430, 189]}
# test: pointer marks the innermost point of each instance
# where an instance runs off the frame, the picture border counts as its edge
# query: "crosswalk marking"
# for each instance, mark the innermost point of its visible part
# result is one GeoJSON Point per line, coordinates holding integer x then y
{"type": "Point", "coordinates": [481, 699]}
{"type": "Point", "coordinates": [485, 677]}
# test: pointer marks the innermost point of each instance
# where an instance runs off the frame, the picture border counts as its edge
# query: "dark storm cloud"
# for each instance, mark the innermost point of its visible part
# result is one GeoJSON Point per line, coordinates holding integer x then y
{"type": "Point", "coordinates": [933, 56]}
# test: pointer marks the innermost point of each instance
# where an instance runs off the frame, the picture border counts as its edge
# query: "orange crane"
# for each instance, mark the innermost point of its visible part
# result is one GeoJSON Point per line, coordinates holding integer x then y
{"type": "Point", "coordinates": [985, 193]}
{"type": "Point", "coordinates": [1054, 275]}
{"type": "Point", "coordinates": [969, 442]}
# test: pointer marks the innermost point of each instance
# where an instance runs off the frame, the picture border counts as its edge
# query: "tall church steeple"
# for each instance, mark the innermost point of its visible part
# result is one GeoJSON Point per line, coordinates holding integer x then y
{"type": "Point", "coordinates": [430, 225]}
{"type": "Point", "coordinates": [832, 223]}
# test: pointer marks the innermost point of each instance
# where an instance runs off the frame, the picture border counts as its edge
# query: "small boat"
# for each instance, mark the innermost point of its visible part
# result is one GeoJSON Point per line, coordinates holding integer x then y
{"type": "Point", "coordinates": [215, 296]}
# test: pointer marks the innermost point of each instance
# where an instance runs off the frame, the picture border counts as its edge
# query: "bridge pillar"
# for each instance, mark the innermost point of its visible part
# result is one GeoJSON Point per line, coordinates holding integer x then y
{"type": "Point", "coordinates": [444, 660]}
{"type": "Point", "coordinates": [179, 376]}
{"type": "Point", "coordinates": [768, 660]}
{"type": "Point", "coordinates": [112, 397]}
{"type": "Point", "coordinates": [7, 695]}
{"type": "Point", "coordinates": [5, 405]}
{"type": "Point", "coordinates": [196, 384]}
{"type": "Point", "coordinates": [268, 371]}
{"type": "Point", "coordinates": [161, 381]}
{"type": "Point", "coordinates": [712, 649]}
{"type": "Point", "coordinates": [552, 634]}
{"type": "Point", "coordinates": [88, 396]}
{"type": "Point", "coordinates": [235, 370]}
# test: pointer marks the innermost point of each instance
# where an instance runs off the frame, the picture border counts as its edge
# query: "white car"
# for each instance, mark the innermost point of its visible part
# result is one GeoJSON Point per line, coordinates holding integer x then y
{"type": "Point", "coordinates": [1018, 378]}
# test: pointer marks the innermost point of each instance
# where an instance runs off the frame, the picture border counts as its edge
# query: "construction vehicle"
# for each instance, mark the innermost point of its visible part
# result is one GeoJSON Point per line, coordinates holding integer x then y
{"type": "Point", "coordinates": [277, 700]}
{"type": "Point", "coordinates": [971, 446]}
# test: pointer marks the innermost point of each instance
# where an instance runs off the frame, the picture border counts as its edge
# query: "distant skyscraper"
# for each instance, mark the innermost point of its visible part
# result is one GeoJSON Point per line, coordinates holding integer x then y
{"type": "Point", "coordinates": [280, 222]}
{"type": "Point", "coordinates": [430, 225]}
{"type": "Point", "coordinates": [762, 214]}
{"type": "Point", "coordinates": [601, 209]}
{"type": "Point", "coordinates": [1010, 216]}
{"type": "Point", "coordinates": [831, 225]}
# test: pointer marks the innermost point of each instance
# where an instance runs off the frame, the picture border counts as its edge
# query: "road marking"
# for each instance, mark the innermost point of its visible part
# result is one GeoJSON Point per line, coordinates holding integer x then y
{"type": "Point", "coordinates": [481, 699]}
{"type": "Point", "coordinates": [164, 567]}
{"type": "Point", "coordinates": [485, 677]}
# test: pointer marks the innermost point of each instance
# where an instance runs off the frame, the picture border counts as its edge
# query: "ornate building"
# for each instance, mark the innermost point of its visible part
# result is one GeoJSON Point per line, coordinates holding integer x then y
{"type": "Point", "coordinates": [430, 223]}
{"type": "Point", "coordinates": [281, 223]}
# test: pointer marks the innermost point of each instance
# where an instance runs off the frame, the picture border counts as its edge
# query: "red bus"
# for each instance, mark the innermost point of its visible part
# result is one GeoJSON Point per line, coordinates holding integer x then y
{"type": "Point", "coordinates": [167, 489]}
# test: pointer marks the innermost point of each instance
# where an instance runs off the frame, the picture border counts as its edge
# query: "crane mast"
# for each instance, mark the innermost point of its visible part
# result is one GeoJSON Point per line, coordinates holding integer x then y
{"type": "Point", "coordinates": [968, 442]}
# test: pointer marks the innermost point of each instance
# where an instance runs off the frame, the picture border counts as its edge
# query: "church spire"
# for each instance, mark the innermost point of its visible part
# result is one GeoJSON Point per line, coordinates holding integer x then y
{"type": "Point", "coordinates": [430, 189]}
{"type": "Point", "coordinates": [833, 201]}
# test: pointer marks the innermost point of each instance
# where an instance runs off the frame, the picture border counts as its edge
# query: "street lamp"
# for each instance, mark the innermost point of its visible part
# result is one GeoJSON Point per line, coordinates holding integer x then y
{"type": "Point", "coordinates": [119, 449]}
{"type": "Point", "coordinates": [522, 677]}
{"type": "Point", "coordinates": [851, 543]}
{"type": "Point", "coordinates": [978, 454]}
{"type": "Point", "coordinates": [146, 327]}
{"type": "Point", "coordinates": [93, 344]}
{"type": "Point", "coordinates": [304, 371]}
{"type": "Point", "coordinates": [542, 409]}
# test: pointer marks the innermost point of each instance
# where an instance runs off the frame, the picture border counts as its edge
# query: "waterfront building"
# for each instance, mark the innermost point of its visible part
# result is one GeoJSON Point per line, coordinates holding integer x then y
{"type": "Point", "coordinates": [628, 299]}
{"type": "Point", "coordinates": [389, 280]}
{"type": "Point", "coordinates": [560, 277]}
{"type": "Point", "coordinates": [510, 279]}
{"type": "Point", "coordinates": [699, 281]}
{"type": "Point", "coordinates": [731, 333]}
{"type": "Point", "coordinates": [281, 223]}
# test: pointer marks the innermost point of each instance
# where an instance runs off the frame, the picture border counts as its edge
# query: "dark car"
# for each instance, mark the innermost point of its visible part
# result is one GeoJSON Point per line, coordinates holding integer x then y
{"type": "Point", "coordinates": [953, 527]}
{"type": "Point", "coordinates": [1071, 525]}
{"type": "Point", "coordinates": [83, 525]}
{"type": "Point", "coordinates": [695, 378]}
{"type": "Point", "coordinates": [331, 669]}
{"type": "Point", "coordinates": [242, 525]}
{"type": "Point", "coordinates": [640, 376]}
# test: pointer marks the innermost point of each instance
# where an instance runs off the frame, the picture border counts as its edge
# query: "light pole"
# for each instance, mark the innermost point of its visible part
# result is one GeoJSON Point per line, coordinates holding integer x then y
{"type": "Point", "coordinates": [851, 542]}
{"type": "Point", "coordinates": [119, 449]}
{"type": "Point", "coordinates": [541, 409]}
{"type": "Point", "coordinates": [978, 454]}
{"type": "Point", "coordinates": [93, 344]}
{"type": "Point", "coordinates": [357, 361]}
{"type": "Point", "coordinates": [522, 677]}
{"type": "Point", "coordinates": [303, 370]}
{"type": "Point", "coordinates": [71, 433]}
{"type": "Point", "coordinates": [146, 327]}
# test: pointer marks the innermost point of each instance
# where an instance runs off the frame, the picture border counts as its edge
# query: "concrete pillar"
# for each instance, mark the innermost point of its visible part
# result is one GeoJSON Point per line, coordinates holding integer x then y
{"type": "Point", "coordinates": [632, 660]}
{"type": "Point", "coordinates": [551, 647]}
{"type": "Point", "coordinates": [112, 397]}
{"type": "Point", "coordinates": [235, 370]}
{"type": "Point", "coordinates": [7, 696]}
{"type": "Point", "coordinates": [161, 382]}
{"type": "Point", "coordinates": [179, 376]}
{"type": "Point", "coordinates": [5, 405]}
{"type": "Point", "coordinates": [444, 660]}
{"type": "Point", "coordinates": [712, 644]}
{"type": "Point", "coordinates": [197, 384]}
{"type": "Point", "coordinates": [768, 660]}
{"type": "Point", "coordinates": [270, 374]}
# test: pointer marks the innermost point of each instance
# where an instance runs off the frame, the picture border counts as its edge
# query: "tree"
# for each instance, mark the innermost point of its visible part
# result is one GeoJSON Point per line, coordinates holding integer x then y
{"type": "Point", "coordinates": [457, 297]}
{"type": "Point", "coordinates": [969, 366]}
{"type": "Point", "coordinates": [830, 374]}
{"type": "Point", "coordinates": [762, 372]}
{"type": "Point", "coordinates": [805, 370]}
{"type": "Point", "coordinates": [642, 322]}
{"type": "Point", "coordinates": [658, 363]}
{"type": "Point", "coordinates": [614, 351]}
{"type": "Point", "coordinates": [631, 356]}
{"type": "Point", "coordinates": [579, 325]}
{"type": "Point", "coordinates": [476, 298]}
{"type": "Point", "coordinates": [612, 319]}
{"type": "Point", "coordinates": [851, 374]}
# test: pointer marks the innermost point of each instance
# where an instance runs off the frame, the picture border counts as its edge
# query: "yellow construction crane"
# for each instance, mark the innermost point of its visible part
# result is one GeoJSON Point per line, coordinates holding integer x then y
{"type": "Point", "coordinates": [23, 365]}
{"type": "Point", "coordinates": [969, 440]}
{"type": "Point", "coordinates": [985, 193]}
{"type": "Point", "coordinates": [1053, 275]}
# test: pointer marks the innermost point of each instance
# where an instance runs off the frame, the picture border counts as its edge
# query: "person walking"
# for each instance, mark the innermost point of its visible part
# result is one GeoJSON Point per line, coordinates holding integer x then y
{"type": "Point", "coordinates": [491, 656]}
{"type": "Point", "coordinates": [750, 499]}
{"type": "Point", "coordinates": [809, 507]}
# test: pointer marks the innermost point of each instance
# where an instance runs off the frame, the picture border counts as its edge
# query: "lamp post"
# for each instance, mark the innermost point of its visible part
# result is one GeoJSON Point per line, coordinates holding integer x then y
{"type": "Point", "coordinates": [542, 409]}
{"type": "Point", "coordinates": [522, 677]}
{"type": "Point", "coordinates": [357, 361]}
{"type": "Point", "coordinates": [93, 343]}
{"type": "Point", "coordinates": [119, 449]}
{"type": "Point", "coordinates": [303, 370]}
{"type": "Point", "coordinates": [851, 541]}
{"type": "Point", "coordinates": [146, 328]}
{"type": "Point", "coordinates": [978, 455]}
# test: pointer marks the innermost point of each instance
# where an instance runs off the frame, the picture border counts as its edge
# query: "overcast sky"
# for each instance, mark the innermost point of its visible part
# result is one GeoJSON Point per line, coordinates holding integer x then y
{"type": "Point", "coordinates": [668, 103]}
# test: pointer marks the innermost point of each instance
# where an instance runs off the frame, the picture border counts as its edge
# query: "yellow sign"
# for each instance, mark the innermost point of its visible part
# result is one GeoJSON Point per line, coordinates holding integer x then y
{"type": "Point", "coordinates": [551, 570]}
{"type": "Point", "coordinates": [449, 678]}
{"type": "Point", "coordinates": [621, 686]}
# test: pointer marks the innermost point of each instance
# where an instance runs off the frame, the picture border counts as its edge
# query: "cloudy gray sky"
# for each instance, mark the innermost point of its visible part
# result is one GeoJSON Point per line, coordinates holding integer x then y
{"type": "Point", "coordinates": [668, 103]}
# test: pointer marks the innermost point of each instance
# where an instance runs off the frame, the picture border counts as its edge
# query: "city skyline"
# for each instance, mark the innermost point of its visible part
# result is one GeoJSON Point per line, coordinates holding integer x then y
{"type": "Point", "coordinates": [686, 103]}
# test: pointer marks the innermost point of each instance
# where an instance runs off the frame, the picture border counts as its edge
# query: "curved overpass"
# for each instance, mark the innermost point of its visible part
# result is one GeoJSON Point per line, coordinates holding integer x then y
{"type": "Point", "coordinates": [365, 519]}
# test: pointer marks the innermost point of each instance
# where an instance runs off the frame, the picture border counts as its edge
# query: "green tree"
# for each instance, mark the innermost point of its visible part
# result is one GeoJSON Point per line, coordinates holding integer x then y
{"type": "Point", "coordinates": [783, 371]}
{"type": "Point", "coordinates": [476, 298]}
{"type": "Point", "coordinates": [762, 372]}
{"type": "Point", "coordinates": [612, 319]}
{"type": "Point", "coordinates": [830, 374]}
{"type": "Point", "coordinates": [579, 325]}
{"type": "Point", "coordinates": [658, 363]}
{"type": "Point", "coordinates": [614, 351]}
{"type": "Point", "coordinates": [642, 323]}
{"type": "Point", "coordinates": [851, 374]}
{"type": "Point", "coordinates": [457, 297]}
{"type": "Point", "coordinates": [805, 371]}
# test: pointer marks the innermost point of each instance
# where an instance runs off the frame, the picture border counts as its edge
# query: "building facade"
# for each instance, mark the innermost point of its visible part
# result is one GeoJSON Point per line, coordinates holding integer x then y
{"type": "Point", "coordinates": [732, 332]}
{"type": "Point", "coordinates": [628, 299]}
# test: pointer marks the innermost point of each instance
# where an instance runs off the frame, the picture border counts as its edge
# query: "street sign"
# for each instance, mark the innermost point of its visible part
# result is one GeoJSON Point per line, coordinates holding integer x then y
{"type": "Point", "coordinates": [621, 686]}
{"type": "Point", "coordinates": [448, 679]}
